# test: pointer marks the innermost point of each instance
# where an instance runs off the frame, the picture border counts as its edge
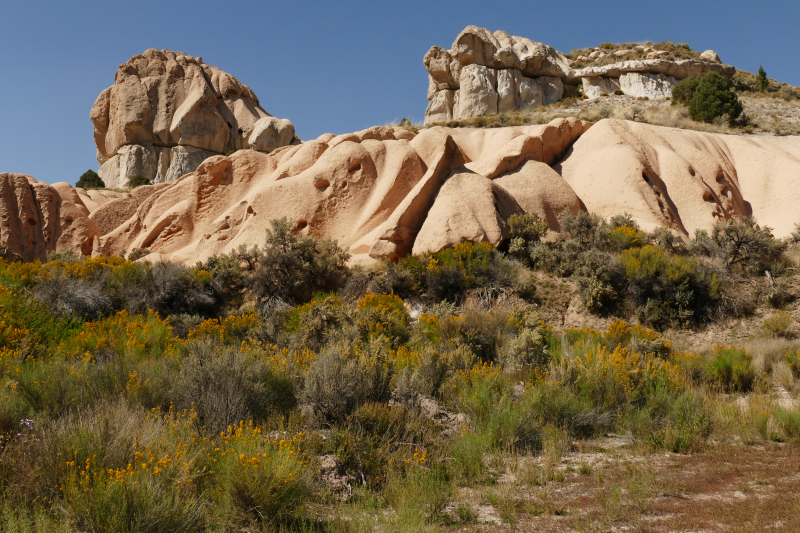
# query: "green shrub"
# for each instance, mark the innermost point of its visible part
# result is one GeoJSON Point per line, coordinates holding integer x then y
{"type": "Point", "coordinates": [666, 289]}
{"type": "Point", "coordinates": [778, 324]}
{"type": "Point", "coordinates": [262, 479]}
{"type": "Point", "coordinates": [295, 267]}
{"type": "Point", "coordinates": [527, 349]}
{"type": "Point", "coordinates": [731, 368]}
{"type": "Point", "coordinates": [138, 253]}
{"type": "Point", "coordinates": [763, 82]}
{"type": "Point", "coordinates": [169, 288]}
{"type": "Point", "coordinates": [741, 244]}
{"type": "Point", "coordinates": [680, 424]}
{"type": "Point", "coordinates": [90, 180]}
{"type": "Point", "coordinates": [449, 273]}
{"type": "Point", "coordinates": [343, 376]}
{"type": "Point", "coordinates": [624, 237]}
{"type": "Point", "coordinates": [378, 439]}
{"type": "Point", "coordinates": [682, 93]}
{"type": "Point", "coordinates": [224, 386]}
{"type": "Point", "coordinates": [71, 297]}
{"type": "Point", "coordinates": [713, 99]}
{"type": "Point", "coordinates": [527, 226]}
{"type": "Point", "coordinates": [137, 181]}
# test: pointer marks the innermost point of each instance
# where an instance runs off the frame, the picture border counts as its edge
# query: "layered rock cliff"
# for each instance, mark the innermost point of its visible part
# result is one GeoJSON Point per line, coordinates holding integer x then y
{"type": "Point", "coordinates": [485, 72]}
{"type": "Point", "coordinates": [168, 111]}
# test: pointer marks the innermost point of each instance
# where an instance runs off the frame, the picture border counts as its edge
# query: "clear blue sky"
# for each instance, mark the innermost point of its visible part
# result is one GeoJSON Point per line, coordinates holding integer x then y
{"type": "Point", "coordinates": [334, 66]}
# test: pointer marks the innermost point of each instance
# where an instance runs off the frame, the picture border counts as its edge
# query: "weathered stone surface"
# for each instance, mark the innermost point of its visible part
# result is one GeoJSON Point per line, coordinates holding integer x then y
{"type": "Point", "coordinates": [521, 69]}
{"type": "Point", "coordinates": [508, 96]}
{"type": "Point", "coordinates": [552, 89]}
{"type": "Point", "coordinates": [530, 93]}
{"type": "Point", "coordinates": [270, 133]}
{"type": "Point", "coordinates": [109, 216]}
{"type": "Point", "coordinates": [29, 219]}
{"type": "Point", "coordinates": [679, 69]}
{"type": "Point", "coordinates": [440, 108]}
{"type": "Point", "coordinates": [595, 86]}
{"type": "Point", "coordinates": [384, 192]}
{"type": "Point", "coordinates": [163, 99]}
{"type": "Point", "coordinates": [437, 61]}
{"type": "Point", "coordinates": [182, 161]}
{"type": "Point", "coordinates": [464, 210]}
{"type": "Point", "coordinates": [477, 95]}
{"type": "Point", "coordinates": [640, 84]}
{"type": "Point", "coordinates": [710, 55]}
{"type": "Point", "coordinates": [131, 160]}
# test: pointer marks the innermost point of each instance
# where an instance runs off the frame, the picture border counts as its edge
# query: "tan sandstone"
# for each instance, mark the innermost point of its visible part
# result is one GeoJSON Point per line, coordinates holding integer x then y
{"type": "Point", "coordinates": [168, 111]}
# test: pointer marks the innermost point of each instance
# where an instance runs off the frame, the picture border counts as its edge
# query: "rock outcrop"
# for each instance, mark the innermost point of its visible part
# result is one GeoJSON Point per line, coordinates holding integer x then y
{"type": "Point", "coordinates": [487, 72]}
{"type": "Point", "coordinates": [386, 192]}
{"type": "Point", "coordinates": [683, 179]}
{"type": "Point", "coordinates": [168, 111]}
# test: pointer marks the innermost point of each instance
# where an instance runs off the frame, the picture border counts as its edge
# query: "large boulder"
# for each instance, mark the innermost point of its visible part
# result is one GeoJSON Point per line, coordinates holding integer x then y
{"type": "Point", "coordinates": [164, 99]}
{"type": "Point", "coordinates": [477, 95]}
{"type": "Point", "coordinates": [270, 133]}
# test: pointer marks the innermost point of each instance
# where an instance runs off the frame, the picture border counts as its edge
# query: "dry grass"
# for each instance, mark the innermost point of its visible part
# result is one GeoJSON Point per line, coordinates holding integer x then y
{"type": "Point", "coordinates": [766, 115]}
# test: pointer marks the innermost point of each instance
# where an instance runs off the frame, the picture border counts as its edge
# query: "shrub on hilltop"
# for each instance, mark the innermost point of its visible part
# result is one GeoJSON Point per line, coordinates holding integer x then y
{"type": "Point", "coordinates": [90, 180]}
{"type": "Point", "coordinates": [713, 98]}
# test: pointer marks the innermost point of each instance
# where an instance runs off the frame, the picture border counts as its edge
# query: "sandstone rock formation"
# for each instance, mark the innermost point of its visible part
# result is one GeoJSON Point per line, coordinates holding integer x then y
{"type": "Point", "coordinates": [684, 179]}
{"type": "Point", "coordinates": [487, 72]}
{"type": "Point", "coordinates": [386, 192]}
{"type": "Point", "coordinates": [168, 111]}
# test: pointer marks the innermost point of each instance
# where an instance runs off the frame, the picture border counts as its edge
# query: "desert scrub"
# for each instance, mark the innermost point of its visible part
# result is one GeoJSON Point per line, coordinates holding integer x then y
{"type": "Point", "coordinates": [778, 324]}
{"type": "Point", "coordinates": [730, 369]}
{"type": "Point", "coordinates": [346, 374]}
{"type": "Point", "coordinates": [256, 477]}
{"type": "Point", "coordinates": [123, 470]}
{"type": "Point", "coordinates": [294, 267]}
{"type": "Point", "coordinates": [667, 289]}
{"type": "Point", "coordinates": [378, 443]}
{"type": "Point", "coordinates": [625, 237]}
{"type": "Point", "coordinates": [383, 316]}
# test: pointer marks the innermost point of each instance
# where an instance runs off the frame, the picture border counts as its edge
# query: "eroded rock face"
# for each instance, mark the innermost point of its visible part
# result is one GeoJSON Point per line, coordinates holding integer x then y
{"type": "Point", "coordinates": [648, 85]}
{"type": "Point", "coordinates": [482, 66]}
{"type": "Point", "coordinates": [29, 217]}
{"type": "Point", "coordinates": [386, 192]}
{"type": "Point", "coordinates": [163, 100]}
{"type": "Point", "coordinates": [682, 179]}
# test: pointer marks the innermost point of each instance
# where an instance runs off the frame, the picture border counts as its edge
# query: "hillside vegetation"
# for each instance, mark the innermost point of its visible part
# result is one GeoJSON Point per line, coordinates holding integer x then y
{"type": "Point", "coordinates": [276, 389]}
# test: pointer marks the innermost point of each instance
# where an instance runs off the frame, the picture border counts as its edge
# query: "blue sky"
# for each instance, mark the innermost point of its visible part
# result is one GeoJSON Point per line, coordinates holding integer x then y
{"type": "Point", "coordinates": [327, 66]}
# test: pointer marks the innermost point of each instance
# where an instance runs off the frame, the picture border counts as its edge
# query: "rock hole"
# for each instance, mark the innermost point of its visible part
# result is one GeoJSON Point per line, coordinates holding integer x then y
{"type": "Point", "coordinates": [32, 221]}
{"type": "Point", "coordinates": [355, 167]}
{"type": "Point", "coordinates": [240, 130]}
{"type": "Point", "coordinates": [721, 178]}
{"type": "Point", "coordinates": [692, 171]}
{"type": "Point", "coordinates": [250, 210]}
{"type": "Point", "coordinates": [321, 183]}
{"type": "Point", "coordinates": [301, 225]}
{"type": "Point", "coordinates": [68, 220]}
{"type": "Point", "coordinates": [645, 178]}
{"type": "Point", "coordinates": [708, 197]}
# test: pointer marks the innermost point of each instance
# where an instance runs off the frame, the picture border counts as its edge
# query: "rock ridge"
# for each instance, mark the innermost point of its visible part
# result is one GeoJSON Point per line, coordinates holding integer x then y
{"type": "Point", "coordinates": [485, 72]}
